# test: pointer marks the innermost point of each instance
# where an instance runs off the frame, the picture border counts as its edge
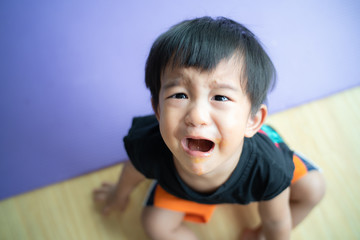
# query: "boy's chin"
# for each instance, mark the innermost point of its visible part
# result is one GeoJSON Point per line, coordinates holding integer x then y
{"type": "Point", "coordinates": [199, 169]}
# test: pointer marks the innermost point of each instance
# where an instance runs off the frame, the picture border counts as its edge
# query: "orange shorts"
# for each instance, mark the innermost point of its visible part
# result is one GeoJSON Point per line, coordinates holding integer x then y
{"type": "Point", "coordinates": [201, 213]}
{"type": "Point", "coordinates": [302, 167]}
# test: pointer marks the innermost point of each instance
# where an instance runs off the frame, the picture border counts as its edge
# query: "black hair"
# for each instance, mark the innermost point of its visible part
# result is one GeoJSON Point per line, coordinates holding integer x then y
{"type": "Point", "coordinates": [202, 43]}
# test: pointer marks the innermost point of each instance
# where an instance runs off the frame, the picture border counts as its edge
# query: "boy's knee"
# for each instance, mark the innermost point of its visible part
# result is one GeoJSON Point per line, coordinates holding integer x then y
{"type": "Point", "coordinates": [150, 224]}
{"type": "Point", "coordinates": [160, 223]}
{"type": "Point", "coordinates": [310, 189]}
{"type": "Point", "coordinates": [318, 187]}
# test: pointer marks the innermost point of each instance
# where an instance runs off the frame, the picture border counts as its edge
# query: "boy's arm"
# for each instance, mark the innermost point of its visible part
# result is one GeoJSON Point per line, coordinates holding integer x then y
{"type": "Point", "coordinates": [276, 216]}
{"type": "Point", "coordinates": [115, 196]}
{"type": "Point", "coordinates": [129, 179]}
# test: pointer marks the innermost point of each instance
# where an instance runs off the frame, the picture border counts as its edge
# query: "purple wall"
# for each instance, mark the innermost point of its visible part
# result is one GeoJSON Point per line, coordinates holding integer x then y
{"type": "Point", "coordinates": [71, 72]}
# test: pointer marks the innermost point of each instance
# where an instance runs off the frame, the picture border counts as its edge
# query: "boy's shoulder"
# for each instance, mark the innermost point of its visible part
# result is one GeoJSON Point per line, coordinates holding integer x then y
{"type": "Point", "coordinates": [142, 126]}
{"type": "Point", "coordinates": [270, 166]}
{"type": "Point", "coordinates": [269, 149]}
{"type": "Point", "coordinates": [145, 146]}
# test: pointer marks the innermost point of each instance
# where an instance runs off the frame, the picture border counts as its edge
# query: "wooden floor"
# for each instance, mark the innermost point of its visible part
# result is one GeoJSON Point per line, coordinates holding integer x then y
{"type": "Point", "coordinates": [327, 131]}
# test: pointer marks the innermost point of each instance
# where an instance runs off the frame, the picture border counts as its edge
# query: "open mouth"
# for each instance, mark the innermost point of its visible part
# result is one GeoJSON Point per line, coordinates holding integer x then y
{"type": "Point", "coordinates": [199, 145]}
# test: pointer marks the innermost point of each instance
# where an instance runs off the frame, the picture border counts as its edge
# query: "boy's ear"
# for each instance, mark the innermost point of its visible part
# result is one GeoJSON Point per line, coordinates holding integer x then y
{"type": "Point", "coordinates": [155, 108]}
{"type": "Point", "coordinates": [256, 121]}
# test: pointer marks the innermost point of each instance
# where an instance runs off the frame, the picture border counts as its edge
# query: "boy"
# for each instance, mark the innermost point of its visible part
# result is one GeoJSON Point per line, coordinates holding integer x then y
{"type": "Point", "coordinates": [206, 144]}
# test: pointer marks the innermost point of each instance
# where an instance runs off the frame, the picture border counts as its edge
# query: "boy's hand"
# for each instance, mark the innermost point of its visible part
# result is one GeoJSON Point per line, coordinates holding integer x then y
{"type": "Point", "coordinates": [108, 197]}
{"type": "Point", "coordinates": [116, 196]}
{"type": "Point", "coordinates": [252, 234]}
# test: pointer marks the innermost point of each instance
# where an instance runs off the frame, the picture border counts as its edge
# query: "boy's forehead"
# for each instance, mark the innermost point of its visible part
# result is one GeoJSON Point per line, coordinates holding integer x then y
{"type": "Point", "coordinates": [225, 69]}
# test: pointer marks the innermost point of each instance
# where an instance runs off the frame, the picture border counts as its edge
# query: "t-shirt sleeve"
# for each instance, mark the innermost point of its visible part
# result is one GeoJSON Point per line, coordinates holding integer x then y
{"type": "Point", "coordinates": [275, 183]}
{"type": "Point", "coordinates": [274, 171]}
{"type": "Point", "coordinates": [145, 146]}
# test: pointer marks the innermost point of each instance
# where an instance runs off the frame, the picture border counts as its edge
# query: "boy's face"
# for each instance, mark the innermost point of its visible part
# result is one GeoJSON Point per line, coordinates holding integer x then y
{"type": "Point", "coordinates": [204, 117]}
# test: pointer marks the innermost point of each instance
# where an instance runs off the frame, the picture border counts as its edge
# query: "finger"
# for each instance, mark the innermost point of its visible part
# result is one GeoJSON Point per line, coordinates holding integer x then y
{"type": "Point", "coordinates": [99, 194]}
{"type": "Point", "coordinates": [98, 190]}
{"type": "Point", "coordinates": [106, 210]}
{"type": "Point", "coordinates": [100, 197]}
{"type": "Point", "coordinates": [103, 188]}
{"type": "Point", "coordinates": [107, 184]}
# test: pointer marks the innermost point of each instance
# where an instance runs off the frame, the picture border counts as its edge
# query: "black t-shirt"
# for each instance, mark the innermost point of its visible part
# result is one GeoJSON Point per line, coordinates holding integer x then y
{"type": "Point", "coordinates": [262, 173]}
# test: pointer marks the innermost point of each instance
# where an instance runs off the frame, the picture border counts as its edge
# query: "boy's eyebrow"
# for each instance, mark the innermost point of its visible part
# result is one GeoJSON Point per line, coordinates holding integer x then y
{"type": "Point", "coordinates": [218, 85]}
{"type": "Point", "coordinates": [176, 82]}
{"type": "Point", "coordinates": [184, 81]}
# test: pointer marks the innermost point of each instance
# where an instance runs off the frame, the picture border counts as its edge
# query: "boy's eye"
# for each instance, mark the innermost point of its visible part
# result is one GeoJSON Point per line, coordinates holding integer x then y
{"type": "Point", "coordinates": [220, 98]}
{"type": "Point", "coordinates": [179, 96]}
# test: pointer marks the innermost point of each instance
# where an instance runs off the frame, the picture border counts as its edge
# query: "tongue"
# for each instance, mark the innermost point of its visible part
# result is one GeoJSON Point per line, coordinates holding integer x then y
{"type": "Point", "coordinates": [199, 145]}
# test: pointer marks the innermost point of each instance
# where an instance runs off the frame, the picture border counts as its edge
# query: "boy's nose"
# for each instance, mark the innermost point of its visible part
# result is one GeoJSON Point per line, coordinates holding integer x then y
{"type": "Point", "coordinates": [198, 115]}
